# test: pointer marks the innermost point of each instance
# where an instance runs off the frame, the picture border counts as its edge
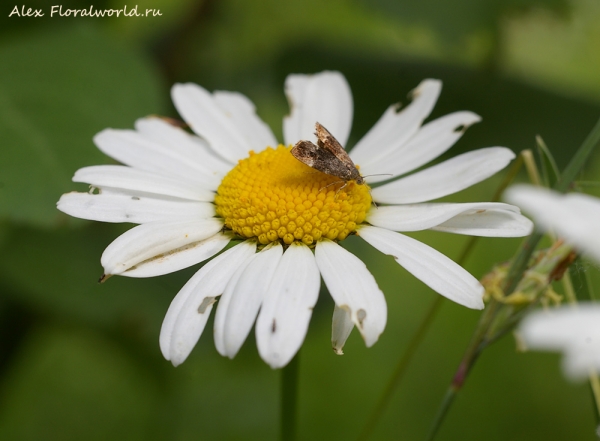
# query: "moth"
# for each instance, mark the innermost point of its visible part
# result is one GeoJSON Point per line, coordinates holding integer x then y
{"type": "Point", "coordinates": [328, 156]}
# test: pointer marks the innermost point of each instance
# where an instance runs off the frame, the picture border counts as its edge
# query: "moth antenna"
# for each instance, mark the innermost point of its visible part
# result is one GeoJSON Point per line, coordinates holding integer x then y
{"type": "Point", "coordinates": [372, 200]}
{"type": "Point", "coordinates": [340, 189]}
{"type": "Point", "coordinates": [379, 174]}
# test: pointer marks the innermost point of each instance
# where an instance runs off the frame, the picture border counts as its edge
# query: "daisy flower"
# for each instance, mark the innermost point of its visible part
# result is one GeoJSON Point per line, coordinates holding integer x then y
{"type": "Point", "coordinates": [194, 193]}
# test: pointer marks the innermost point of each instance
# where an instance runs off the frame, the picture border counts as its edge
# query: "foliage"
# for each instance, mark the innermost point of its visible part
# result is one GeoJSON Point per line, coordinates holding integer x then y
{"type": "Point", "coordinates": [80, 360]}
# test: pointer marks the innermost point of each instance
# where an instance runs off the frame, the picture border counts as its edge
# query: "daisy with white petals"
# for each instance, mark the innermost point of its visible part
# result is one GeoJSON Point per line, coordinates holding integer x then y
{"type": "Point", "coordinates": [572, 330]}
{"type": "Point", "coordinates": [231, 180]}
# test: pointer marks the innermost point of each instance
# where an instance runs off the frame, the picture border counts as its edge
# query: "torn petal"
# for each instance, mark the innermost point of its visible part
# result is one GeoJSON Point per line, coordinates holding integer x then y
{"type": "Point", "coordinates": [341, 327]}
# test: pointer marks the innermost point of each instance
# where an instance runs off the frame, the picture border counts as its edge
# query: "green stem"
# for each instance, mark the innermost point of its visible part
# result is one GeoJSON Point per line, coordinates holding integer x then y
{"type": "Point", "coordinates": [515, 274]}
{"type": "Point", "coordinates": [468, 361]}
{"type": "Point", "coordinates": [579, 160]}
{"type": "Point", "coordinates": [400, 369]}
{"type": "Point", "coordinates": [441, 414]}
{"type": "Point", "coordinates": [562, 185]}
{"type": "Point", "coordinates": [583, 293]}
{"type": "Point", "coordinates": [412, 347]}
{"type": "Point", "coordinates": [289, 399]}
{"type": "Point", "coordinates": [428, 319]}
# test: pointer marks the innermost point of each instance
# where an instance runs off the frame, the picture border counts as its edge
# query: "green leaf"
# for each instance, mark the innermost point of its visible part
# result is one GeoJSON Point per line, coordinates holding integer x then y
{"type": "Point", "coordinates": [550, 172]}
{"type": "Point", "coordinates": [57, 90]}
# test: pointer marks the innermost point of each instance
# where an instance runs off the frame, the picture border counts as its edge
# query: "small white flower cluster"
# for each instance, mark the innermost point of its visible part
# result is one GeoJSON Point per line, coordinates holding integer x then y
{"type": "Point", "coordinates": [574, 329]}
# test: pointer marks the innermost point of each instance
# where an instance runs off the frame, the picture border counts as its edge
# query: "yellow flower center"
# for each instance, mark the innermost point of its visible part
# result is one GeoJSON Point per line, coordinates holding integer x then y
{"type": "Point", "coordinates": [274, 197]}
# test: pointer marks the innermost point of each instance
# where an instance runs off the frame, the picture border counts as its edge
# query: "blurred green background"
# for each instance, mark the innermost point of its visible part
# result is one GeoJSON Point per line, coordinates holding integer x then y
{"type": "Point", "coordinates": [80, 361]}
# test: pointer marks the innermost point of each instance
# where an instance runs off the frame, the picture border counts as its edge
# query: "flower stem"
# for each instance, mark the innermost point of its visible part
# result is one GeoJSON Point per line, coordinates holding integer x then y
{"type": "Point", "coordinates": [583, 293]}
{"type": "Point", "coordinates": [400, 369]}
{"type": "Point", "coordinates": [428, 319]}
{"type": "Point", "coordinates": [518, 267]}
{"type": "Point", "coordinates": [566, 179]}
{"type": "Point", "coordinates": [595, 389]}
{"type": "Point", "coordinates": [289, 399]}
{"type": "Point", "coordinates": [468, 361]}
{"type": "Point", "coordinates": [578, 161]}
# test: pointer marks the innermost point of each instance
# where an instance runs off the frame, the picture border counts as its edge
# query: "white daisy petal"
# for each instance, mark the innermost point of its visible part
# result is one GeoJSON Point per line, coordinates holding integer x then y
{"type": "Point", "coordinates": [428, 143]}
{"type": "Point", "coordinates": [152, 240]}
{"type": "Point", "coordinates": [241, 301]}
{"type": "Point", "coordinates": [353, 288]}
{"type": "Point", "coordinates": [573, 330]}
{"type": "Point", "coordinates": [573, 216]}
{"type": "Point", "coordinates": [579, 362]}
{"type": "Point", "coordinates": [283, 320]}
{"type": "Point", "coordinates": [325, 98]}
{"type": "Point", "coordinates": [341, 327]}
{"type": "Point", "coordinates": [445, 178]}
{"type": "Point", "coordinates": [488, 223]}
{"type": "Point", "coordinates": [224, 301]}
{"type": "Point", "coordinates": [129, 178]}
{"type": "Point", "coordinates": [477, 219]}
{"type": "Point", "coordinates": [428, 265]}
{"type": "Point", "coordinates": [118, 206]}
{"type": "Point", "coordinates": [243, 114]}
{"type": "Point", "coordinates": [395, 127]}
{"type": "Point", "coordinates": [182, 258]}
{"type": "Point", "coordinates": [555, 329]}
{"type": "Point", "coordinates": [199, 109]}
{"type": "Point", "coordinates": [134, 149]}
{"type": "Point", "coordinates": [189, 311]}
{"type": "Point", "coordinates": [178, 139]}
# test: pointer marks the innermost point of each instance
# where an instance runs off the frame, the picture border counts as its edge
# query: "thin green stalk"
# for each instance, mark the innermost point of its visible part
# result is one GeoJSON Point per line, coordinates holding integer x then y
{"type": "Point", "coordinates": [289, 399]}
{"type": "Point", "coordinates": [468, 361]}
{"type": "Point", "coordinates": [583, 293]}
{"type": "Point", "coordinates": [410, 350]}
{"type": "Point", "coordinates": [566, 179]}
{"type": "Point", "coordinates": [400, 369]}
{"type": "Point", "coordinates": [579, 160]}
{"type": "Point", "coordinates": [418, 336]}
{"type": "Point", "coordinates": [515, 274]}
{"type": "Point", "coordinates": [595, 389]}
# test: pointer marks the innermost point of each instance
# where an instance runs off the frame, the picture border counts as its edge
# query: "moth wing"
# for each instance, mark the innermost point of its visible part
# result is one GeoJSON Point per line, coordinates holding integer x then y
{"type": "Point", "coordinates": [328, 142]}
{"type": "Point", "coordinates": [317, 158]}
{"type": "Point", "coordinates": [306, 152]}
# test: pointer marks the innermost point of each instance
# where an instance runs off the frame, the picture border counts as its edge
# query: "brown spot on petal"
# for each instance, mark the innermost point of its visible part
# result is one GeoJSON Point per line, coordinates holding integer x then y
{"type": "Point", "coordinates": [104, 278]}
{"type": "Point", "coordinates": [206, 302]}
{"type": "Point", "coordinates": [361, 315]}
{"type": "Point", "coordinates": [274, 326]}
{"type": "Point", "coordinates": [172, 121]}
